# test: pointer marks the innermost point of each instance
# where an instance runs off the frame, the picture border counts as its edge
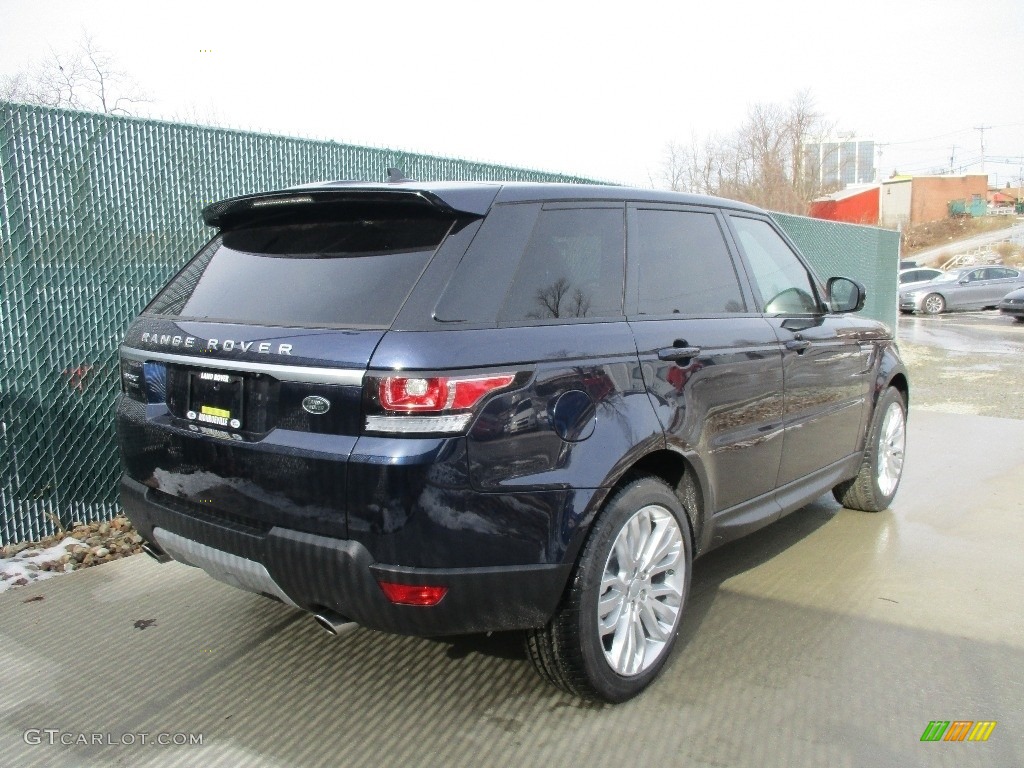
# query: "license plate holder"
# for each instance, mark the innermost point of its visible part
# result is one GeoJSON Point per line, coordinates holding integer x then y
{"type": "Point", "coordinates": [216, 399]}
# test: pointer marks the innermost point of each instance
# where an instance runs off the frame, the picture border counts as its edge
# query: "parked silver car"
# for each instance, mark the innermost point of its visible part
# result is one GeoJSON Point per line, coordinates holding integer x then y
{"type": "Point", "coordinates": [964, 288]}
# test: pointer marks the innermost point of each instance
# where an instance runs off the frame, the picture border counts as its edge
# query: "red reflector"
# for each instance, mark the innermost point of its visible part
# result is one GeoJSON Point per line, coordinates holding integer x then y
{"type": "Point", "coordinates": [412, 594]}
{"type": "Point", "coordinates": [414, 394]}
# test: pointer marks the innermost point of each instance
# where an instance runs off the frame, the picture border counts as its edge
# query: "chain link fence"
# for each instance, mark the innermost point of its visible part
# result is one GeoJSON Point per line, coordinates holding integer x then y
{"type": "Point", "coordinates": [97, 212]}
{"type": "Point", "coordinates": [868, 254]}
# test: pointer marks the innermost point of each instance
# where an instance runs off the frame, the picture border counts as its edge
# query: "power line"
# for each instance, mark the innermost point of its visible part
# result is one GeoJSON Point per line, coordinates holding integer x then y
{"type": "Point", "coordinates": [950, 133]}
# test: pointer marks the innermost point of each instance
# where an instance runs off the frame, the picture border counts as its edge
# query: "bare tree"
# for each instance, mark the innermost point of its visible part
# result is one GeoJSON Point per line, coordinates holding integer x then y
{"type": "Point", "coordinates": [551, 299]}
{"type": "Point", "coordinates": [675, 168]}
{"type": "Point", "coordinates": [764, 161]}
{"type": "Point", "coordinates": [85, 78]}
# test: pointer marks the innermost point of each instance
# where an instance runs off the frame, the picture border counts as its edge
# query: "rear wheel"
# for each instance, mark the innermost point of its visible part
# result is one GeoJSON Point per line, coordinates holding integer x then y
{"type": "Point", "coordinates": [933, 304]}
{"type": "Point", "coordinates": [620, 616]}
{"type": "Point", "coordinates": [874, 487]}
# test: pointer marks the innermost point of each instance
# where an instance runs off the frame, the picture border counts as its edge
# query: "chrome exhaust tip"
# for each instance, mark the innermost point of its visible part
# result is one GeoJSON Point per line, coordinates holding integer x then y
{"type": "Point", "coordinates": [157, 554]}
{"type": "Point", "coordinates": [334, 623]}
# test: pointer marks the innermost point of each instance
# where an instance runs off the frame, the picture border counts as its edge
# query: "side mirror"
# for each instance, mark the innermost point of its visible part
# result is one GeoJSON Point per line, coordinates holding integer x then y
{"type": "Point", "coordinates": [965, 281]}
{"type": "Point", "coordinates": [845, 295]}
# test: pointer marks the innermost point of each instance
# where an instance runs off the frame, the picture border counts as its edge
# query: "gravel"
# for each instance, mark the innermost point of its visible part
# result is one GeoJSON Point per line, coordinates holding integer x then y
{"type": "Point", "coordinates": [81, 546]}
{"type": "Point", "coordinates": [952, 382]}
{"type": "Point", "coordinates": [970, 363]}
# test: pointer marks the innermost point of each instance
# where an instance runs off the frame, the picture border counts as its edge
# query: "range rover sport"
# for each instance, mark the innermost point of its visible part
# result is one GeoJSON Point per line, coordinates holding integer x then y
{"type": "Point", "coordinates": [442, 408]}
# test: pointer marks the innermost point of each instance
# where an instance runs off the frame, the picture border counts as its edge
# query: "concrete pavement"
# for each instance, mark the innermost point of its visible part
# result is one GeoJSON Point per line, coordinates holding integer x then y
{"type": "Point", "coordinates": [831, 638]}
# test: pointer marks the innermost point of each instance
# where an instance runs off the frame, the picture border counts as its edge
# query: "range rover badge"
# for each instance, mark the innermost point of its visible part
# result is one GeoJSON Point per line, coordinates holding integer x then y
{"type": "Point", "coordinates": [316, 405]}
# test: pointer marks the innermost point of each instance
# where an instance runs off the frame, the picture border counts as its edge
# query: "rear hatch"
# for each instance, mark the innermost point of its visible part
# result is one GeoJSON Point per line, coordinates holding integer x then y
{"type": "Point", "coordinates": [243, 377]}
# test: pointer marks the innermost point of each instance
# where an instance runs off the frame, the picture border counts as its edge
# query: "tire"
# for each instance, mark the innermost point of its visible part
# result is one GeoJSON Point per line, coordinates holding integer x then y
{"type": "Point", "coordinates": [933, 304]}
{"type": "Point", "coordinates": [1019, 319]}
{"type": "Point", "coordinates": [639, 603]}
{"type": "Point", "coordinates": [875, 485]}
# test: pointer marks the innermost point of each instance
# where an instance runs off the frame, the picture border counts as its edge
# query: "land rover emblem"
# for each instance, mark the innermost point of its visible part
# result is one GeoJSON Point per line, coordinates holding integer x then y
{"type": "Point", "coordinates": [316, 405]}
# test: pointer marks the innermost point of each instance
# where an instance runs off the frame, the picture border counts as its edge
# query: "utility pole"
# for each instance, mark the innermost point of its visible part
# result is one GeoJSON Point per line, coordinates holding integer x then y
{"type": "Point", "coordinates": [1020, 181]}
{"type": "Point", "coordinates": [952, 156]}
{"type": "Point", "coordinates": [981, 129]}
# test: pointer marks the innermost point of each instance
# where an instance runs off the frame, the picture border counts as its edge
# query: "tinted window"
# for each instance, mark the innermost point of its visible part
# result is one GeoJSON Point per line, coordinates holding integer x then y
{"type": "Point", "coordinates": [572, 267]}
{"type": "Point", "coordinates": [783, 281]}
{"type": "Point", "coordinates": [918, 275]}
{"type": "Point", "coordinates": [1000, 273]}
{"type": "Point", "coordinates": [684, 265]}
{"type": "Point", "coordinates": [312, 274]}
{"type": "Point", "coordinates": [477, 289]}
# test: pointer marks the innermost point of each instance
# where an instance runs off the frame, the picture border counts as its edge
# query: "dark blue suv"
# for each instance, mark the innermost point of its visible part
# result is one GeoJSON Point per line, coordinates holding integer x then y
{"type": "Point", "coordinates": [439, 408]}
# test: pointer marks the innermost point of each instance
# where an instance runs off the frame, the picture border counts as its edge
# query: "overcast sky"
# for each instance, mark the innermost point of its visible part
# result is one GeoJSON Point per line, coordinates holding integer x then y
{"type": "Point", "coordinates": [596, 89]}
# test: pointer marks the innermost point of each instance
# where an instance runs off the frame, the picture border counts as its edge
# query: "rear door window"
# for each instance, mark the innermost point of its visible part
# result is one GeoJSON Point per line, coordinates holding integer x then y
{"type": "Point", "coordinates": [1000, 273]}
{"type": "Point", "coordinates": [339, 273]}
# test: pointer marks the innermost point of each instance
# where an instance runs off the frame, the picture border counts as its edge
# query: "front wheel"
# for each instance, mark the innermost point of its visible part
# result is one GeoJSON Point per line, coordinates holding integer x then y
{"type": "Point", "coordinates": [874, 487]}
{"type": "Point", "coordinates": [933, 304]}
{"type": "Point", "coordinates": [620, 616]}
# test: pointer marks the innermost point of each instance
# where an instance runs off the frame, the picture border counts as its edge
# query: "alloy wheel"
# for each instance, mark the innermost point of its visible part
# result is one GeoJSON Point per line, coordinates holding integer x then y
{"type": "Point", "coordinates": [891, 447]}
{"type": "Point", "coordinates": [642, 590]}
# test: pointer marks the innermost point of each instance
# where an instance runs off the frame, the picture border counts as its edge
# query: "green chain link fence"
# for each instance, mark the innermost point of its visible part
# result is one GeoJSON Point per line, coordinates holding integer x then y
{"type": "Point", "coordinates": [97, 212]}
{"type": "Point", "coordinates": [868, 254]}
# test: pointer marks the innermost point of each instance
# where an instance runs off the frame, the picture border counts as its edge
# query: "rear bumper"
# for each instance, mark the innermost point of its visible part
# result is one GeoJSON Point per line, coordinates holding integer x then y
{"type": "Point", "coordinates": [316, 572]}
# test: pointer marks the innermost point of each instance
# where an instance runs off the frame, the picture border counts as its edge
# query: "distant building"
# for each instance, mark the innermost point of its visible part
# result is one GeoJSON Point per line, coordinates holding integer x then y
{"type": "Point", "coordinates": [911, 200]}
{"type": "Point", "coordinates": [1002, 198]}
{"type": "Point", "coordinates": [840, 163]}
{"type": "Point", "coordinates": [856, 205]}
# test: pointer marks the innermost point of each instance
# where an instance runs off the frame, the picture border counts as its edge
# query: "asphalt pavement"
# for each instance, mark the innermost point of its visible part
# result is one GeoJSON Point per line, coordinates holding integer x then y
{"type": "Point", "coordinates": [831, 638]}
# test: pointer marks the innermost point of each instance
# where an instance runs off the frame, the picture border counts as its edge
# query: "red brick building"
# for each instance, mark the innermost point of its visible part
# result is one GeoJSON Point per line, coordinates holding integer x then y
{"type": "Point", "coordinates": [909, 201]}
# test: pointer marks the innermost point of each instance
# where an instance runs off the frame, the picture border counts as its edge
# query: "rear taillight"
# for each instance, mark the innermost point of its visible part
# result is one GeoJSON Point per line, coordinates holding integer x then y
{"type": "Point", "coordinates": [398, 393]}
{"type": "Point", "coordinates": [426, 404]}
{"type": "Point", "coordinates": [133, 382]}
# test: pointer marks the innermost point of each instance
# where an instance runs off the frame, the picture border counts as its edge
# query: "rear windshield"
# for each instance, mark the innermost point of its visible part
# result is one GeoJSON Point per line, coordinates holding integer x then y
{"type": "Point", "coordinates": [338, 273]}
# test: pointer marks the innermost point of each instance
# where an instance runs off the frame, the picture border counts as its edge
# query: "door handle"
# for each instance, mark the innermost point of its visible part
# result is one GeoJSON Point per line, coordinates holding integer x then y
{"type": "Point", "coordinates": [678, 353]}
{"type": "Point", "coordinates": [798, 345]}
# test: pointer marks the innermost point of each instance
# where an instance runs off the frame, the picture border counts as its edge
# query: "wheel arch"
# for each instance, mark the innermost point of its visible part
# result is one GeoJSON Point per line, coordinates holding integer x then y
{"type": "Point", "coordinates": [891, 372]}
{"type": "Point", "coordinates": [899, 381]}
{"type": "Point", "coordinates": [684, 474]}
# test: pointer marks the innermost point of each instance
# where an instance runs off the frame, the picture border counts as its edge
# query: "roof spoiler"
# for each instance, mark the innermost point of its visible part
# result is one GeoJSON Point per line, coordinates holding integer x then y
{"type": "Point", "coordinates": [237, 210]}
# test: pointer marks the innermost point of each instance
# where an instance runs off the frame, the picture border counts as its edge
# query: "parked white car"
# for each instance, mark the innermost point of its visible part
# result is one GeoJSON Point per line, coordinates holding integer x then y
{"type": "Point", "coordinates": [918, 275]}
